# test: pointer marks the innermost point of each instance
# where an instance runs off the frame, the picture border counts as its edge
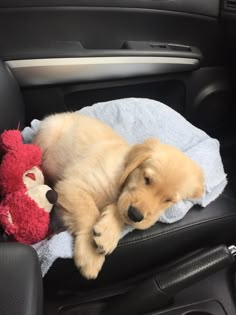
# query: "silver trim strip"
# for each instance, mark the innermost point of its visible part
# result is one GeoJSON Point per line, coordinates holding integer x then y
{"type": "Point", "coordinates": [85, 69]}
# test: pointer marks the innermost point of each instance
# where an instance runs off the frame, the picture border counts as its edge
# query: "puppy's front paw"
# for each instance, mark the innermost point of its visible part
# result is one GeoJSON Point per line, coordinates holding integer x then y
{"type": "Point", "coordinates": [106, 233]}
{"type": "Point", "coordinates": [87, 259]}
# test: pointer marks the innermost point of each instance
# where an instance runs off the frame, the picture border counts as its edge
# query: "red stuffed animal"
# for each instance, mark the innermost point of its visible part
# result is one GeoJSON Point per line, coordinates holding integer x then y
{"type": "Point", "coordinates": [25, 201]}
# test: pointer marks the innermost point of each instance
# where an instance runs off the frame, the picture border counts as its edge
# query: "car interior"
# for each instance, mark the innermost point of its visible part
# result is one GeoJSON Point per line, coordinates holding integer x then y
{"type": "Point", "coordinates": [63, 55]}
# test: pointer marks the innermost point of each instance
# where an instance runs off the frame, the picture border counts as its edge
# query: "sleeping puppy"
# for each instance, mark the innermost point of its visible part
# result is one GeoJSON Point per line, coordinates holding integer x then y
{"type": "Point", "coordinates": [104, 183]}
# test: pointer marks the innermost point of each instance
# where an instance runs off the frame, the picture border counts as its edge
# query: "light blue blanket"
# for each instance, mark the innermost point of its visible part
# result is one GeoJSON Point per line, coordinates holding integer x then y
{"type": "Point", "coordinates": [137, 119]}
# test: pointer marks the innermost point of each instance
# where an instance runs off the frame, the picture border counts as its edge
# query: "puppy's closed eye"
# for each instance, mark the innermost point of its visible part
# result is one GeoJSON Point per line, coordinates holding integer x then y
{"type": "Point", "coordinates": [147, 180]}
{"type": "Point", "coordinates": [168, 200]}
{"type": "Point", "coordinates": [149, 176]}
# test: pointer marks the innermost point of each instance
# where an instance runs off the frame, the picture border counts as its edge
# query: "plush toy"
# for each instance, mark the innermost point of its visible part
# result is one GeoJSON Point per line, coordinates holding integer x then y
{"type": "Point", "coordinates": [25, 202]}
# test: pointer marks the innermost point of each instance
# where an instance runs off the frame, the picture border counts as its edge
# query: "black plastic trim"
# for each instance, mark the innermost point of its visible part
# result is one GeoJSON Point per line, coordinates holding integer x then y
{"type": "Point", "coordinates": [202, 7]}
{"type": "Point", "coordinates": [56, 32]}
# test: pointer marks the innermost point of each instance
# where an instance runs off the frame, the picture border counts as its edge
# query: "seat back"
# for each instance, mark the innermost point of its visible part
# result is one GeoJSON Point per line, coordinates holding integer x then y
{"type": "Point", "coordinates": [12, 112]}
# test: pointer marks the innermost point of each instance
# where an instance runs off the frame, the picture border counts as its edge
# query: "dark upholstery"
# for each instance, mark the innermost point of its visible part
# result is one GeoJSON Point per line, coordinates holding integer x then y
{"type": "Point", "coordinates": [141, 251]}
{"type": "Point", "coordinates": [12, 113]}
{"type": "Point", "coordinates": [21, 281]}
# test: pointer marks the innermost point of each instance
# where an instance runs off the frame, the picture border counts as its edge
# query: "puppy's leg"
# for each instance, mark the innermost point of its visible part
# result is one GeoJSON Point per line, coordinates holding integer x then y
{"type": "Point", "coordinates": [80, 216]}
{"type": "Point", "coordinates": [108, 229]}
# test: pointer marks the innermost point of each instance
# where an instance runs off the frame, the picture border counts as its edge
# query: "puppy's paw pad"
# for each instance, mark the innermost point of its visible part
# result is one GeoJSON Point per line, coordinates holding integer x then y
{"type": "Point", "coordinates": [95, 233]}
{"type": "Point", "coordinates": [105, 237]}
{"type": "Point", "coordinates": [100, 250]}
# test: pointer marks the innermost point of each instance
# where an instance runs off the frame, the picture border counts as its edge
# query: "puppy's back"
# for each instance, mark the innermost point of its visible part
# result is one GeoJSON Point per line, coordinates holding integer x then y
{"type": "Point", "coordinates": [67, 138]}
{"type": "Point", "coordinates": [51, 129]}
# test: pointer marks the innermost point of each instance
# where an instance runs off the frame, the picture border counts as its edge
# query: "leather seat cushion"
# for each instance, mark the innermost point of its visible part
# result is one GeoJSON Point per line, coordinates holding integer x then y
{"type": "Point", "coordinates": [141, 251]}
{"type": "Point", "coordinates": [21, 281]}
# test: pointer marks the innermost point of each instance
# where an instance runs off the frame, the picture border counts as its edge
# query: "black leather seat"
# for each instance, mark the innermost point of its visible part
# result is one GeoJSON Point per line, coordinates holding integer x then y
{"type": "Point", "coordinates": [21, 282]}
{"type": "Point", "coordinates": [141, 251]}
{"type": "Point", "coordinates": [12, 110]}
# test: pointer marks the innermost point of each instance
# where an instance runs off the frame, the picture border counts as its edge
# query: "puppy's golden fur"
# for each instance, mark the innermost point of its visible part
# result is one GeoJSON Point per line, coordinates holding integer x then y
{"type": "Point", "coordinates": [99, 176]}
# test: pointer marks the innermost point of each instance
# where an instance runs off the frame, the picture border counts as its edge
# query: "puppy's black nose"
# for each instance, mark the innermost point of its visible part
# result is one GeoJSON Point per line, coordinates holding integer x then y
{"type": "Point", "coordinates": [134, 214]}
{"type": "Point", "coordinates": [52, 196]}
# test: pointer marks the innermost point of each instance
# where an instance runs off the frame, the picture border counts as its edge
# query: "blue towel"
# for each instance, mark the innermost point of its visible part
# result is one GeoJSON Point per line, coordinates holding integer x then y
{"type": "Point", "coordinates": [136, 119]}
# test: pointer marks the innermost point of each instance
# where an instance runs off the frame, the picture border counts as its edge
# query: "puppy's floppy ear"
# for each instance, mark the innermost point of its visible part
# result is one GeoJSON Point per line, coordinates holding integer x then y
{"type": "Point", "coordinates": [196, 184]}
{"type": "Point", "coordinates": [199, 190]}
{"type": "Point", "coordinates": [136, 156]}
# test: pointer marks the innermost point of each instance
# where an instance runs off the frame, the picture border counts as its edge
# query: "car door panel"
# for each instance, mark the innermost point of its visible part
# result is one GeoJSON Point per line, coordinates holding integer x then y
{"type": "Point", "coordinates": [210, 8]}
{"type": "Point", "coordinates": [50, 32]}
{"type": "Point", "coordinates": [69, 54]}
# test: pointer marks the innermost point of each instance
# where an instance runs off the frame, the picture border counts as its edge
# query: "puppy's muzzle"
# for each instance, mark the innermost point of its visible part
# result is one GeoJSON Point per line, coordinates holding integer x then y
{"type": "Point", "coordinates": [134, 214]}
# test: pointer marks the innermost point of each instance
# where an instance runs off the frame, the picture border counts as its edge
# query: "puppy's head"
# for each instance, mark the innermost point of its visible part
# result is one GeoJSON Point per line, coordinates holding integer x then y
{"type": "Point", "coordinates": [155, 177]}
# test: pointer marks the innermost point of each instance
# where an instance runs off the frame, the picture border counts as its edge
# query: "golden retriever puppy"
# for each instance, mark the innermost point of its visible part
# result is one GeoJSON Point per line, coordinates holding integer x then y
{"type": "Point", "coordinates": [104, 183]}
